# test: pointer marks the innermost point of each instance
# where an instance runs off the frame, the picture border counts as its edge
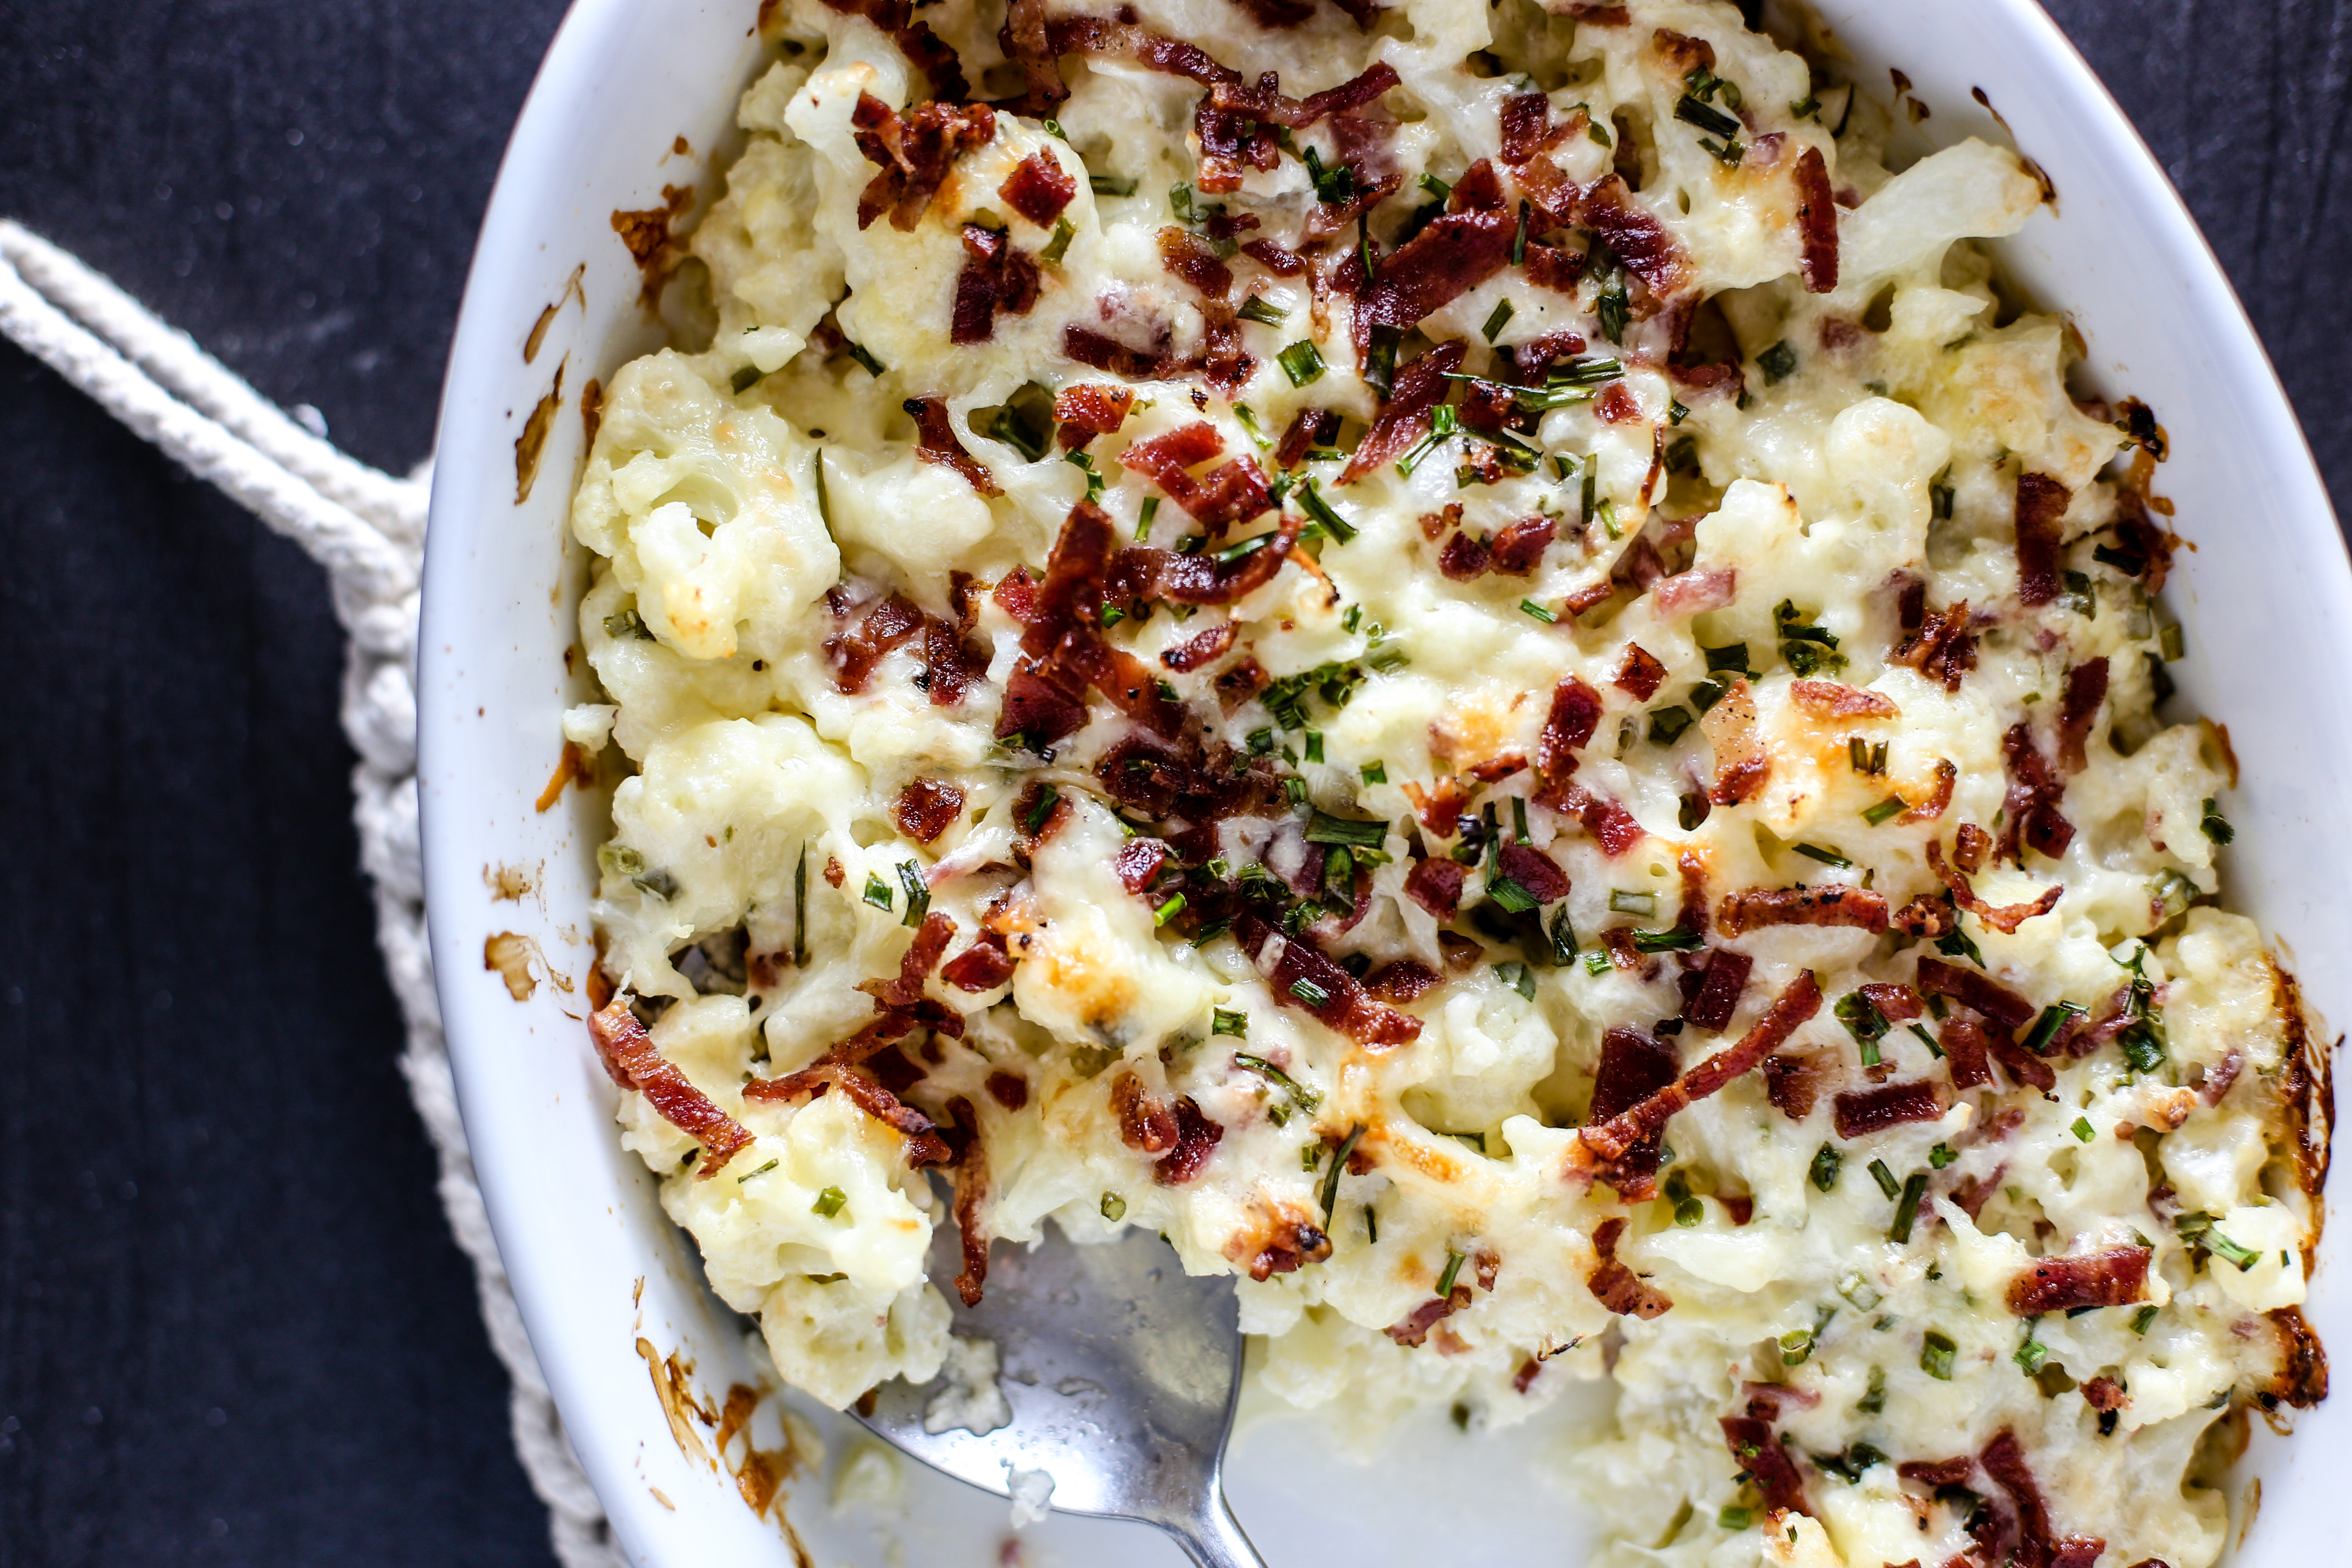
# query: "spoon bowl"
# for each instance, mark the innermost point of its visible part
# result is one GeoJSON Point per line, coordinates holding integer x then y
{"type": "Point", "coordinates": [1119, 1373]}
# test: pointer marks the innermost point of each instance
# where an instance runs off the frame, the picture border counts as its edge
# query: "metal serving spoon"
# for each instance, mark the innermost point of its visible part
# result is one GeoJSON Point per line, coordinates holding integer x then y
{"type": "Point", "coordinates": [1121, 1370]}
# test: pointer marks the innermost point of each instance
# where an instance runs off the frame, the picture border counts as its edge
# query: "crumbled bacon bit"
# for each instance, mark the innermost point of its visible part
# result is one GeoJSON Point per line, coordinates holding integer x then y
{"type": "Point", "coordinates": [1969, 847]}
{"type": "Point", "coordinates": [1938, 1472]}
{"type": "Point", "coordinates": [970, 1175]}
{"type": "Point", "coordinates": [1835, 700]}
{"type": "Point", "coordinates": [1609, 1140]}
{"type": "Point", "coordinates": [1308, 427]}
{"type": "Point", "coordinates": [1464, 557]}
{"type": "Point", "coordinates": [1137, 862]}
{"type": "Point", "coordinates": [983, 966]}
{"type": "Point", "coordinates": [1604, 817]}
{"type": "Point", "coordinates": [1634, 1065]}
{"type": "Point", "coordinates": [2086, 689]}
{"type": "Point", "coordinates": [1435, 884]}
{"type": "Point", "coordinates": [1567, 728]}
{"type": "Point", "coordinates": [1640, 675]}
{"type": "Point", "coordinates": [2115, 1277]}
{"type": "Point", "coordinates": [1241, 682]}
{"type": "Point", "coordinates": [1404, 417]}
{"type": "Point", "coordinates": [1948, 772]}
{"type": "Point", "coordinates": [925, 807]}
{"type": "Point", "coordinates": [1533, 869]}
{"type": "Point", "coordinates": [1833, 904]}
{"type": "Point", "coordinates": [952, 664]}
{"type": "Point", "coordinates": [2032, 803]}
{"type": "Point", "coordinates": [1869, 1111]}
{"type": "Point", "coordinates": [2105, 1393]}
{"type": "Point", "coordinates": [1618, 1287]}
{"type": "Point", "coordinates": [2003, 918]}
{"type": "Point", "coordinates": [1766, 1463]}
{"type": "Point", "coordinates": [1519, 548]}
{"type": "Point", "coordinates": [1038, 188]}
{"type": "Point", "coordinates": [1554, 266]}
{"type": "Point", "coordinates": [1636, 236]}
{"type": "Point", "coordinates": [1454, 253]}
{"type": "Point", "coordinates": [1231, 493]}
{"type": "Point", "coordinates": [1973, 989]}
{"type": "Point", "coordinates": [1942, 648]}
{"type": "Point", "coordinates": [1713, 1001]}
{"type": "Point", "coordinates": [1204, 649]}
{"type": "Point", "coordinates": [1145, 1121]}
{"type": "Point", "coordinates": [1524, 1379]}
{"type": "Point", "coordinates": [1682, 53]}
{"type": "Point", "coordinates": [1742, 761]}
{"type": "Point", "coordinates": [1403, 981]}
{"type": "Point", "coordinates": [1300, 971]}
{"type": "Point", "coordinates": [914, 152]}
{"type": "Point", "coordinates": [1817, 228]}
{"type": "Point", "coordinates": [1274, 259]}
{"type": "Point", "coordinates": [1087, 409]}
{"type": "Point", "coordinates": [632, 1061]}
{"type": "Point", "coordinates": [888, 626]}
{"type": "Point", "coordinates": [924, 50]}
{"type": "Point", "coordinates": [2021, 1064]}
{"type": "Point", "coordinates": [1186, 256]}
{"type": "Point", "coordinates": [1263, 99]}
{"type": "Point", "coordinates": [1792, 1083]}
{"type": "Point", "coordinates": [1276, 1238]}
{"type": "Point", "coordinates": [935, 442]}
{"type": "Point", "coordinates": [2004, 1460]}
{"type": "Point", "coordinates": [1196, 1139]}
{"type": "Point", "coordinates": [2041, 503]}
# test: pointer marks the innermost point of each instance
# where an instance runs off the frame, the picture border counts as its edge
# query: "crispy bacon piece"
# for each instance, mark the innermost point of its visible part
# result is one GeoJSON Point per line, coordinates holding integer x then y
{"type": "Point", "coordinates": [1026, 42]}
{"type": "Point", "coordinates": [1969, 847]}
{"type": "Point", "coordinates": [1413, 1328]}
{"type": "Point", "coordinates": [1089, 347]}
{"type": "Point", "coordinates": [2142, 536]}
{"type": "Point", "coordinates": [1930, 809]}
{"type": "Point", "coordinates": [1087, 409]}
{"type": "Point", "coordinates": [1435, 884]}
{"type": "Point", "coordinates": [983, 966]}
{"type": "Point", "coordinates": [1519, 548]}
{"type": "Point", "coordinates": [1603, 818]}
{"type": "Point", "coordinates": [1640, 675]}
{"type": "Point", "coordinates": [1404, 417]}
{"type": "Point", "coordinates": [1536, 872]}
{"type": "Point", "coordinates": [1865, 1111]}
{"type": "Point", "coordinates": [2105, 1393]}
{"type": "Point", "coordinates": [1938, 1472]}
{"type": "Point", "coordinates": [1298, 973]}
{"type": "Point", "coordinates": [1766, 1463]}
{"type": "Point", "coordinates": [1403, 981]}
{"type": "Point", "coordinates": [935, 442]}
{"type": "Point", "coordinates": [2115, 1277]}
{"type": "Point", "coordinates": [1454, 253]}
{"type": "Point", "coordinates": [969, 1172]}
{"type": "Point", "coordinates": [1463, 558]}
{"type": "Point", "coordinates": [925, 807]}
{"type": "Point", "coordinates": [1895, 1004]}
{"type": "Point", "coordinates": [1308, 428]}
{"type": "Point", "coordinates": [952, 664]}
{"type": "Point", "coordinates": [1554, 266]}
{"type": "Point", "coordinates": [1274, 259]}
{"type": "Point", "coordinates": [888, 626]}
{"type": "Point", "coordinates": [1567, 728]}
{"type": "Point", "coordinates": [1186, 256]}
{"type": "Point", "coordinates": [914, 152]}
{"type": "Point", "coordinates": [1137, 862]}
{"type": "Point", "coordinates": [2021, 1064]}
{"type": "Point", "coordinates": [1713, 1001]}
{"type": "Point", "coordinates": [1636, 236]}
{"type": "Point", "coordinates": [1835, 700]}
{"type": "Point", "coordinates": [1833, 904]}
{"type": "Point", "coordinates": [1941, 647]}
{"type": "Point", "coordinates": [1038, 188]}
{"type": "Point", "coordinates": [1618, 1287]}
{"type": "Point", "coordinates": [2040, 502]}
{"type": "Point", "coordinates": [1792, 1083]}
{"type": "Point", "coordinates": [2004, 1460]}
{"type": "Point", "coordinates": [1817, 228]}
{"type": "Point", "coordinates": [1229, 141]}
{"type": "Point", "coordinates": [2005, 918]}
{"type": "Point", "coordinates": [1147, 573]}
{"type": "Point", "coordinates": [1973, 989]}
{"type": "Point", "coordinates": [1634, 1065]}
{"type": "Point", "coordinates": [1264, 100]}
{"type": "Point", "coordinates": [1608, 1140]}
{"type": "Point", "coordinates": [2086, 689]}
{"type": "Point", "coordinates": [1742, 760]}
{"type": "Point", "coordinates": [632, 1061]}
{"type": "Point", "coordinates": [1145, 1121]}
{"type": "Point", "coordinates": [1203, 649]}
{"type": "Point", "coordinates": [1196, 1139]}
{"type": "Point", "coordinates": [2032, 803]}
{"type": "Point", "coordinates": [1599, 15]}
{"type": "Point", "coordinates": [1234, 492]}
{"type": "Point", "coordinates": [1276, 1238]}
{"type": "Point", "coordinates": [1526, 128]}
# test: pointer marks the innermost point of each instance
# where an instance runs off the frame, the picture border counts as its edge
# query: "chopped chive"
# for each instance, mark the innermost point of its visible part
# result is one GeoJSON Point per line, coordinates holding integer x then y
{"type": "Point", "coordinates": [1326, 516]}
{"type": "Point", "coordinates": [2142, 1318]}
{"type": "Point", "coordinates": [1615, 310]}
{"type": "Point", "coordinates": [1035, 818]}
{"type": "Point", "coordinates": [1054, 129]}
{"type": "Point", "coordinates": [1325, 828]}
{"type": "Point", "coordinates": [1294, 788]}
{"type": "Point", "coordinates": [828, 1201]}
{"type": "Point", "coordinates": [1302, 362]}
{"type": "Point", "coordinates": [1380, 359]}
{"type": "Point", "coordinates": [2053, 1018]}
{"type": "Point", "coordinates": [2221, 1247]}
{"type": "Point", "coordinates": [1059, 245]}
{"type": "Point", "coordinates": [1877, 816]}
{"type": "Point", "coordinates": [857, 351]}
{"type": "Point", "coordinates": [2216, 828]}
{"type": "Point", "coordinates": [1595, 963]}
{"type": "Point", "coordinates": [1873, 1403]}
{"type": "Point", "coordinates": [1732, 656]}
{"type": "Point", "coordinates": [1387, 659]}
{"type": "Point", "coordinates": [745, 378]}
{"type": "Point", "coordinates": [1306, 991]}
{"type": "Point", "coordinates": [1168, 911]}
{"type": "Point", "coordinates": [2032, 1353]}
{"type": "Point", "coordinates": [1914, 1187]}
{"type": "Point", "coordinates": [1444, 425]}
{"type": "Point", "coordinates": [1374, 772]}
{"type": "Point", "coordinates": [1630, 903]}
{"type": "Point", "coordinates": [1826, 857]}
{"type": "Point", "coordinates": [1498, 320]}
{"type": "Point", "coordinates": [1308, 1098]}
{"type": "Point", "coordinates": [1674, 939]}
{"type": "Point", "coordinates": [1436, 187]}
{"type": "Point", "coordinates": [761, 1171]}
{"type": "Point", "coordinates": [1372, 1228]}
{"type": "Point", "coordinates": [1827, 1163]}
{"type": "Point", "coordinates": [1884, 1178]}
{"type": "Point", "coordinates": [1510, 895]}
{"type": "Point", "coordinates": [1222, 1022]}
{"type": "Point", "coordinates": [1597, 132]}
{"type": "Point", "coordinates": [1941, 1155]}
{"type": "Point", "coordinates": [1778, 362]}
{"type": "Point", "coordinates": [1733, 1517]}
{"type": "Point", "coordinates": [1936, 1353]}
{"type": "Point", "coordinates": [1254, 309]}
{"type": "Point", "coordinates": [1143, 517]}
{"type": "Point", "coordinates": [1314, 745]}
{"type": "Point", "coordinates": [800, 910]}
{"type": "Point", "coordinates": [1454, 1261]}
{"type": "Point", "coordinates": [919, 892]}
{"type": "Point", "coordinates": [1114, 1207]}
{"type": "Point", "coordinates": [1796, 1347]}
{"type": "Point", "coordinates": [1519, 977]}
{"type": "Point", "coordinates": [878, 893]}
{"type": "Point", "coordinates": [1110, 184]}
{"type": "Point", "coordinates": [1667, 724]}
{"type": "Point", "coordinates": [1691, 111]}
{"type": "Point", "coordinates": [1338, 1163]}
{"type": "Point", "coordinates": [2172, 644]}
{"type": "Point", "coordinates": [1519, 246]}
{"type": "Point", "coordinates": [2082, 1129]}
{"type": "Point", "coordinates": [1111, 616]}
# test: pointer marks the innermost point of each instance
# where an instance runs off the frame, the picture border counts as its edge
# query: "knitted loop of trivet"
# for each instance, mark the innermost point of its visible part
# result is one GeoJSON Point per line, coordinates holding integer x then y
{"type": "Point", "coordinates": [367, 529]}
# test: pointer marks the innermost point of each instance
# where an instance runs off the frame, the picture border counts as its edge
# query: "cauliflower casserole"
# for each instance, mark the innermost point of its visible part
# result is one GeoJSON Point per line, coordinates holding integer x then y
{"type": "Point", "coordinates": [1462, 656]}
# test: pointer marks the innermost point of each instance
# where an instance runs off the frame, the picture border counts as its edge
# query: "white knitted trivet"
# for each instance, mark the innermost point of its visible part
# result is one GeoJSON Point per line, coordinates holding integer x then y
{"type": "Point", "coordinates": [367, 529]}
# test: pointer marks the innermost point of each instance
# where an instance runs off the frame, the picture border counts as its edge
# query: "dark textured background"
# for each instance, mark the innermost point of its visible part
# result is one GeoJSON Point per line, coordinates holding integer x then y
{"type": "Point", "coordinates": [233, 1326]}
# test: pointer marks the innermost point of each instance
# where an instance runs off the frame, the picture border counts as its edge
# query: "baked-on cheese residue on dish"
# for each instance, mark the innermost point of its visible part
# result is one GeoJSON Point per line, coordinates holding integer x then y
{"type": "Point", "coordinates": [1459, 654]}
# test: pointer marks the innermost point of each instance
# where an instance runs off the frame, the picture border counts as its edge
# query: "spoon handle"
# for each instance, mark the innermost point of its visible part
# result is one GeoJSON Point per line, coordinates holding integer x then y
{"type": "Point", "coordinates": [1214, 1539]}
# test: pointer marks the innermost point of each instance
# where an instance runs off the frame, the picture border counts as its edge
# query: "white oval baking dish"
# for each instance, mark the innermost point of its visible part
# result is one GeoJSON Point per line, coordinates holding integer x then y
{"type": "Point", "coordinates": [611, 1291]}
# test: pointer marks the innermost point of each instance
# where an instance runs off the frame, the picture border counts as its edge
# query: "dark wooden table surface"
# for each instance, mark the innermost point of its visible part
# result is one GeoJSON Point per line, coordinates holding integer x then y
{"type": "Point", "coordinates": [233, 1326]}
